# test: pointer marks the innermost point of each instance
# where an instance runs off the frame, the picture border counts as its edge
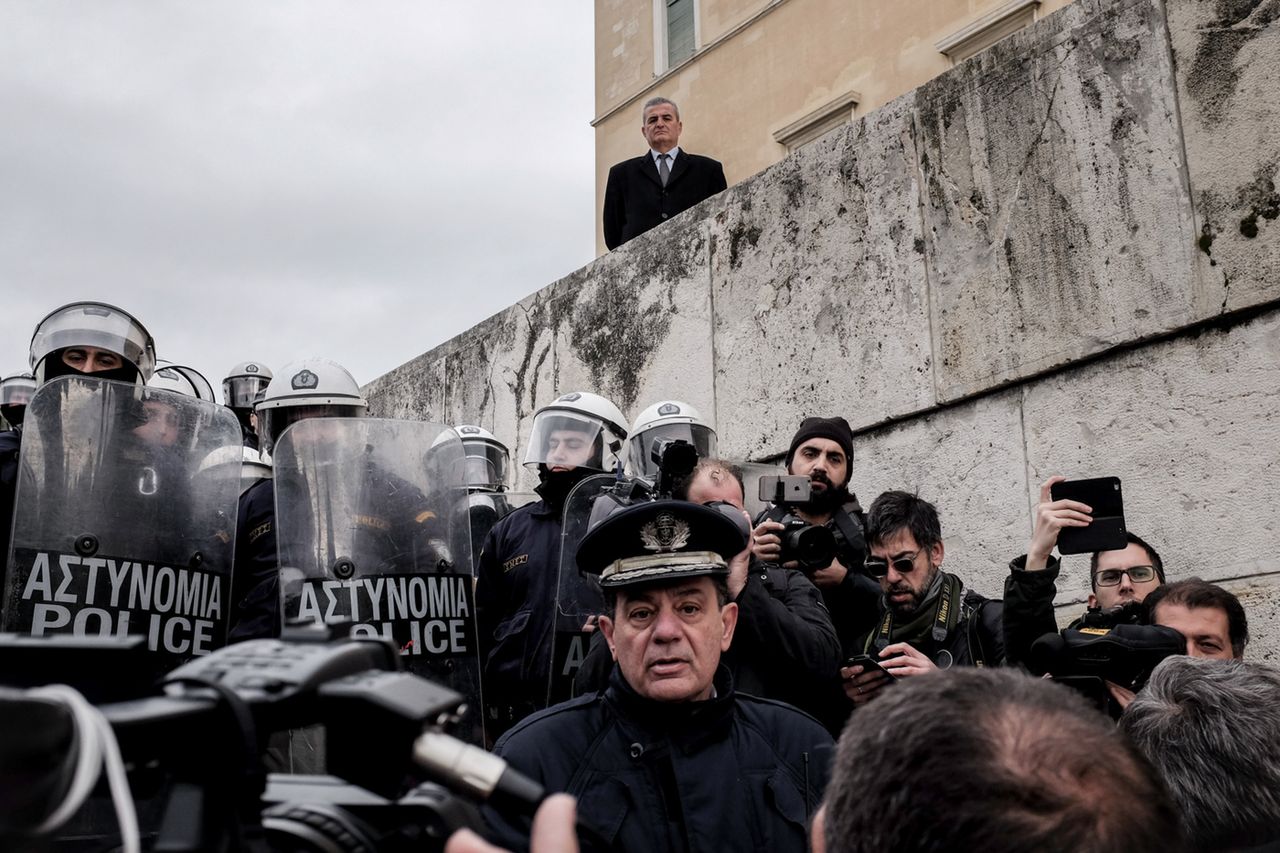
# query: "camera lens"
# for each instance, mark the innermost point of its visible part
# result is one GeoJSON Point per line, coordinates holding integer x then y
{"type": "Point", "coordinates": [813, 546]}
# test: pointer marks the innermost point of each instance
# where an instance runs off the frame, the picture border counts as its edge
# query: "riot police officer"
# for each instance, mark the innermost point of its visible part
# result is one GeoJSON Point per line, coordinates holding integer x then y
{"type": "Point", "coordinates": [240, 390]}
{"type": "Point", "coordinates": [310, 388]}
{"type": "Point", "coordinates": [667, 420]}
{"type": "Point", "coordinates": [577, 435]}
{"type": "Point", "coordinates": [15, 393]}
{"type": "Point", "coordinates": [486, 460]}
{"type": "Point", "coordinates": [77, 339]}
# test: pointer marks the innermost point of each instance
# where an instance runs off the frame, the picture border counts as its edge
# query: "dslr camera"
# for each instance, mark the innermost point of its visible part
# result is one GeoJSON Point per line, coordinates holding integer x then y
{"type": "Point", "coordinates": [813, 546]}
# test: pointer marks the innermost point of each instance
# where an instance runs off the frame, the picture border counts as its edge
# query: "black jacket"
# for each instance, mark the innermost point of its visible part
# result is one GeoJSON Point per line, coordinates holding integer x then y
{"type": "Point", "coordinates": [784, 647]}
{"type": "Point", "coordinates": [854, 605]}
{"type": "Point", "coordinates": [731, 773]}
{"type": "Point", "coordinates": [10, 445]}
{"type": "Point", "coordinates": [1028, 607]}
{"type": "Point", "coordinates": [976, 640]}
{"type": "Point", "coordinates": [255, 575]}
{"type": "Point", "coordinates": [516, 581]}
{"type": "Point", "coordinates": [635, 199]}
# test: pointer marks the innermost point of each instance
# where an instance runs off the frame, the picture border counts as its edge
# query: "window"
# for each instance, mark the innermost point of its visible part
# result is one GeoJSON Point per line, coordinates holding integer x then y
{"type": "Point", "coordinates": [680, 43]}
{"type": "Point", "coordinates": [818, 122]}
{"type": "Point", "coordinates": [675, 33]}
{"type": "Point", "coordinates": [997, 24]}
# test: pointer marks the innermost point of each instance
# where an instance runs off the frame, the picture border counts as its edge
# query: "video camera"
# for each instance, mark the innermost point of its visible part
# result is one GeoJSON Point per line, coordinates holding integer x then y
{"type": "Point", "coordinates": [1108, 645]}
{"type": "Point", "coordinates": [192, 745]}
{"type": "Point", "coordinates": [676, 459]}
{"type": "Point", "coordinates": [813, 546]}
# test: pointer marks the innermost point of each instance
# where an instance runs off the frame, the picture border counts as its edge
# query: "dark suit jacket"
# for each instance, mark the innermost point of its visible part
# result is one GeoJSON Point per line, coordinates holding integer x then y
{"type": "Point", "coordinates": [635, 200]}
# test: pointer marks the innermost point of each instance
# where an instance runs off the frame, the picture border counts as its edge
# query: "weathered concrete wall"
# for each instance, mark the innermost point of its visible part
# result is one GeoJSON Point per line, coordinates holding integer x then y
{"type": "Point", "coordinates": [1061, 256]}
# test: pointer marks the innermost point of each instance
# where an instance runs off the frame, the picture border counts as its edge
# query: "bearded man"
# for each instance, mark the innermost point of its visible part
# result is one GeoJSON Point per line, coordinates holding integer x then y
{"type": "Point", "coordinates": [927, 619]}
{"type": "Point", "coordinates": [822, 451]}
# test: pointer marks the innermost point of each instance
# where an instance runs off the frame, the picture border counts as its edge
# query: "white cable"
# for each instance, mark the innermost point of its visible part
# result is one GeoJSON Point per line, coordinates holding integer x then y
{"type": "Point", "coordinates": [98, 749]}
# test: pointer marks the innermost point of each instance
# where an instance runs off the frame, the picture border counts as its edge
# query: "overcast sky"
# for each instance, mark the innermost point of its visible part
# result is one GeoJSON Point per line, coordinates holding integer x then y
{"type": "Point", "coordinates": [272, 179]}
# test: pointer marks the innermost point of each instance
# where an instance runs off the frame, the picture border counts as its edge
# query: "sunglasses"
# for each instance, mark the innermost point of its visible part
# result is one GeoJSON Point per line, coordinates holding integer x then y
{"type": "Point", "coordinates": [1137, 574]}
{"type": "Point", "coordinates": [878, 567]}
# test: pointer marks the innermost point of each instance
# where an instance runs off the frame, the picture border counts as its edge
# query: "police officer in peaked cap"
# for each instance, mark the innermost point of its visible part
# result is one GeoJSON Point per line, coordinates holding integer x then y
{"type": "Point", "coordinates": [669, 756]}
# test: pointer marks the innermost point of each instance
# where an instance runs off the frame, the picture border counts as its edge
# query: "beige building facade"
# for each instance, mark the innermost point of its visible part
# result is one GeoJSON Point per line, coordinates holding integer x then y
{"type": "Point", "coordinates": [757, 79]}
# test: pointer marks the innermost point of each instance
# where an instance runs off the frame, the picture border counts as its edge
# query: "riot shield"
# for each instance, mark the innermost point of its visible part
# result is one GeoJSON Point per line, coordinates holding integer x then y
{"type": "Point", "coordinates": [486, 509]}
{"type": "Point", "coordinates": [114, 533]}
{"type": "Point", "coordinates": [371, 530]}
{"type": "Point", "coordinates": [579, 601]}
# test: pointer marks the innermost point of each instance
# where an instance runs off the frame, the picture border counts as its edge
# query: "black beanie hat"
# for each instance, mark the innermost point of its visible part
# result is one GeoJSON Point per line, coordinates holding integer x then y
{"type": "Point", "coordinates": [836, 429]}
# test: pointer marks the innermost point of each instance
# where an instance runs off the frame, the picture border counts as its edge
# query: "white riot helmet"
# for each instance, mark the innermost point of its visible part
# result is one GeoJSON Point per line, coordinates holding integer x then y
{"type": "Point", "coordinates": [182, 380]}
{"type": "Point", "coordinates": [15, 393]}
{"type": "Point", "coordinates": [668, 419]}
{"type": "Point", "coordinates": [578, 430]}
{"type": "Point", "coordinates": [97, 325]}
{"type": "Point", "coordinates": [310, 388]}
{"type": "Point", "coordinates": [243, 384]}
{"type": "Point", "coordinates": [486, 459]}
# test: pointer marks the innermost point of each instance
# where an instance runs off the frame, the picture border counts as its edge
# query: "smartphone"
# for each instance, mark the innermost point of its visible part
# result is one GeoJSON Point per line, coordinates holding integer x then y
{"type": "Point", "coordinates": [868, 664]}
{"type": "Point", "coordinates": [784, 489]}
{"type": "Point", "coordinates": [1107, 531]}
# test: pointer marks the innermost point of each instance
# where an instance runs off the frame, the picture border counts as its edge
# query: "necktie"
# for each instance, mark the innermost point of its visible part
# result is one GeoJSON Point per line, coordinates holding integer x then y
{"type": "Point", "coordinates": [663, 172]}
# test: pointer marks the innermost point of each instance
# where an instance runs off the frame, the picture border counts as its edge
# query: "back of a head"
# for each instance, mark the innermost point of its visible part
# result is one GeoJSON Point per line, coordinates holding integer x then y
{"type": "Point", "coordinates": [992, 760]}
{"type": "Point", "coordinates": [1211, 728]}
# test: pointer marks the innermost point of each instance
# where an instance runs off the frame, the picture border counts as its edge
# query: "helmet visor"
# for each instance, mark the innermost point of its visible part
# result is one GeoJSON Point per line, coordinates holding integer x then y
{"type": "Point", "coordinates": [17, 390]}
{"type": "Point", "coordinates": [642, 445]}
{"type": "Point", "coordinates": [565, 441]}
{"type": "Point", "coordinates": [273, 422]}
{"type": "Point", "coordinates": [93, 324]}
{"type": "Point", "coordinates": [239, 392]}
{"type": "Point", "coordinates": [485, 465]}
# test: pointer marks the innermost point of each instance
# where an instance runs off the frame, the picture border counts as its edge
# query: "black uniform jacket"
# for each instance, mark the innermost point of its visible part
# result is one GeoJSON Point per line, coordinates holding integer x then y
{"type": "Point", "coordinates": [10, 444]}
{"type": "Point", "coordinates": [516, 583]}
{"type": "Point", "coordinates": [731, 773]}
{"type": "Point", "coordinates": [635, 199]}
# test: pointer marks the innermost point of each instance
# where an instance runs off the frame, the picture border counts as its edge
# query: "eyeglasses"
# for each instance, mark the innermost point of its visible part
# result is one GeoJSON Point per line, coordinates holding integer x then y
{"type": "Point", "coordinates": [878, 567]}
{"type": "Point", "coordinates": [1137, 574]}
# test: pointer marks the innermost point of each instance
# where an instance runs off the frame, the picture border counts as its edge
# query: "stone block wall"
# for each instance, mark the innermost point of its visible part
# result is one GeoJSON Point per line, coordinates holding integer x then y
{"type": "Point", "coordinates": [1062, 256]}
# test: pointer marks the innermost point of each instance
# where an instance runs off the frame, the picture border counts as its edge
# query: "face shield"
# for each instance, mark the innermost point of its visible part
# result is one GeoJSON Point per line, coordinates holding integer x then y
{"type": "Point", "coordinates": [485, 465]}
{"type": "Point", "coordinates": [641, 445]}
{"type": "Point", "coordinates": [565, 440]}
{"type": "Point", "coordinates": [240, 392]}
{"type": "Point", "coordinates": [17, 390]}
{"type": "Point", "coordinates": [93, 324]}
{"type": "Point", "coordinates": [273, 422]}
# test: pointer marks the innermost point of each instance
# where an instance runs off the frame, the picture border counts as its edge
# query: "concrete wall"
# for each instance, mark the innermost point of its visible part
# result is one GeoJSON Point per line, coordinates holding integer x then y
{"type": "Point", "coordinates": [1062, 256]}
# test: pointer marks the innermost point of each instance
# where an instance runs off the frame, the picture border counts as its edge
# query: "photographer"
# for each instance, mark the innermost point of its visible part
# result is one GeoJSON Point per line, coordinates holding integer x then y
{"type": "Point", "coordinates": [928, 620]}
{"type": "Point", "coordinates": [1118, 579]}
{"type": "Point", "coordinates": [822, 450]}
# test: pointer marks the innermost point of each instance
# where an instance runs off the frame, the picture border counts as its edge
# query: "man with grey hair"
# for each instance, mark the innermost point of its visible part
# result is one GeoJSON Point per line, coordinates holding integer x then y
{"type": "Point", "coordinates": [648, 190]}
{"type": "Point", "coordinates": [993, 760]}
{"type": "Point", "coordinates": [1211, 728]}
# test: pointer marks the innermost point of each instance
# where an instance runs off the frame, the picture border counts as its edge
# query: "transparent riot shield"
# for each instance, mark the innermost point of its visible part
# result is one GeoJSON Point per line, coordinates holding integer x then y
{"type": "Point", "coordinates": [486, 509]}
{"type": "Point", "coordinates": [115, 532]}
{"type": "Point", "coordinates": [371, 530]}
{"type": "Point", "coordinates": [579, 601]}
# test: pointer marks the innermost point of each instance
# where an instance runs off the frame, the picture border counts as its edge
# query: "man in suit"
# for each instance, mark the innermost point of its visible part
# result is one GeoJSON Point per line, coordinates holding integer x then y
{"type": "Point", "coordinates": [652, 188]}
